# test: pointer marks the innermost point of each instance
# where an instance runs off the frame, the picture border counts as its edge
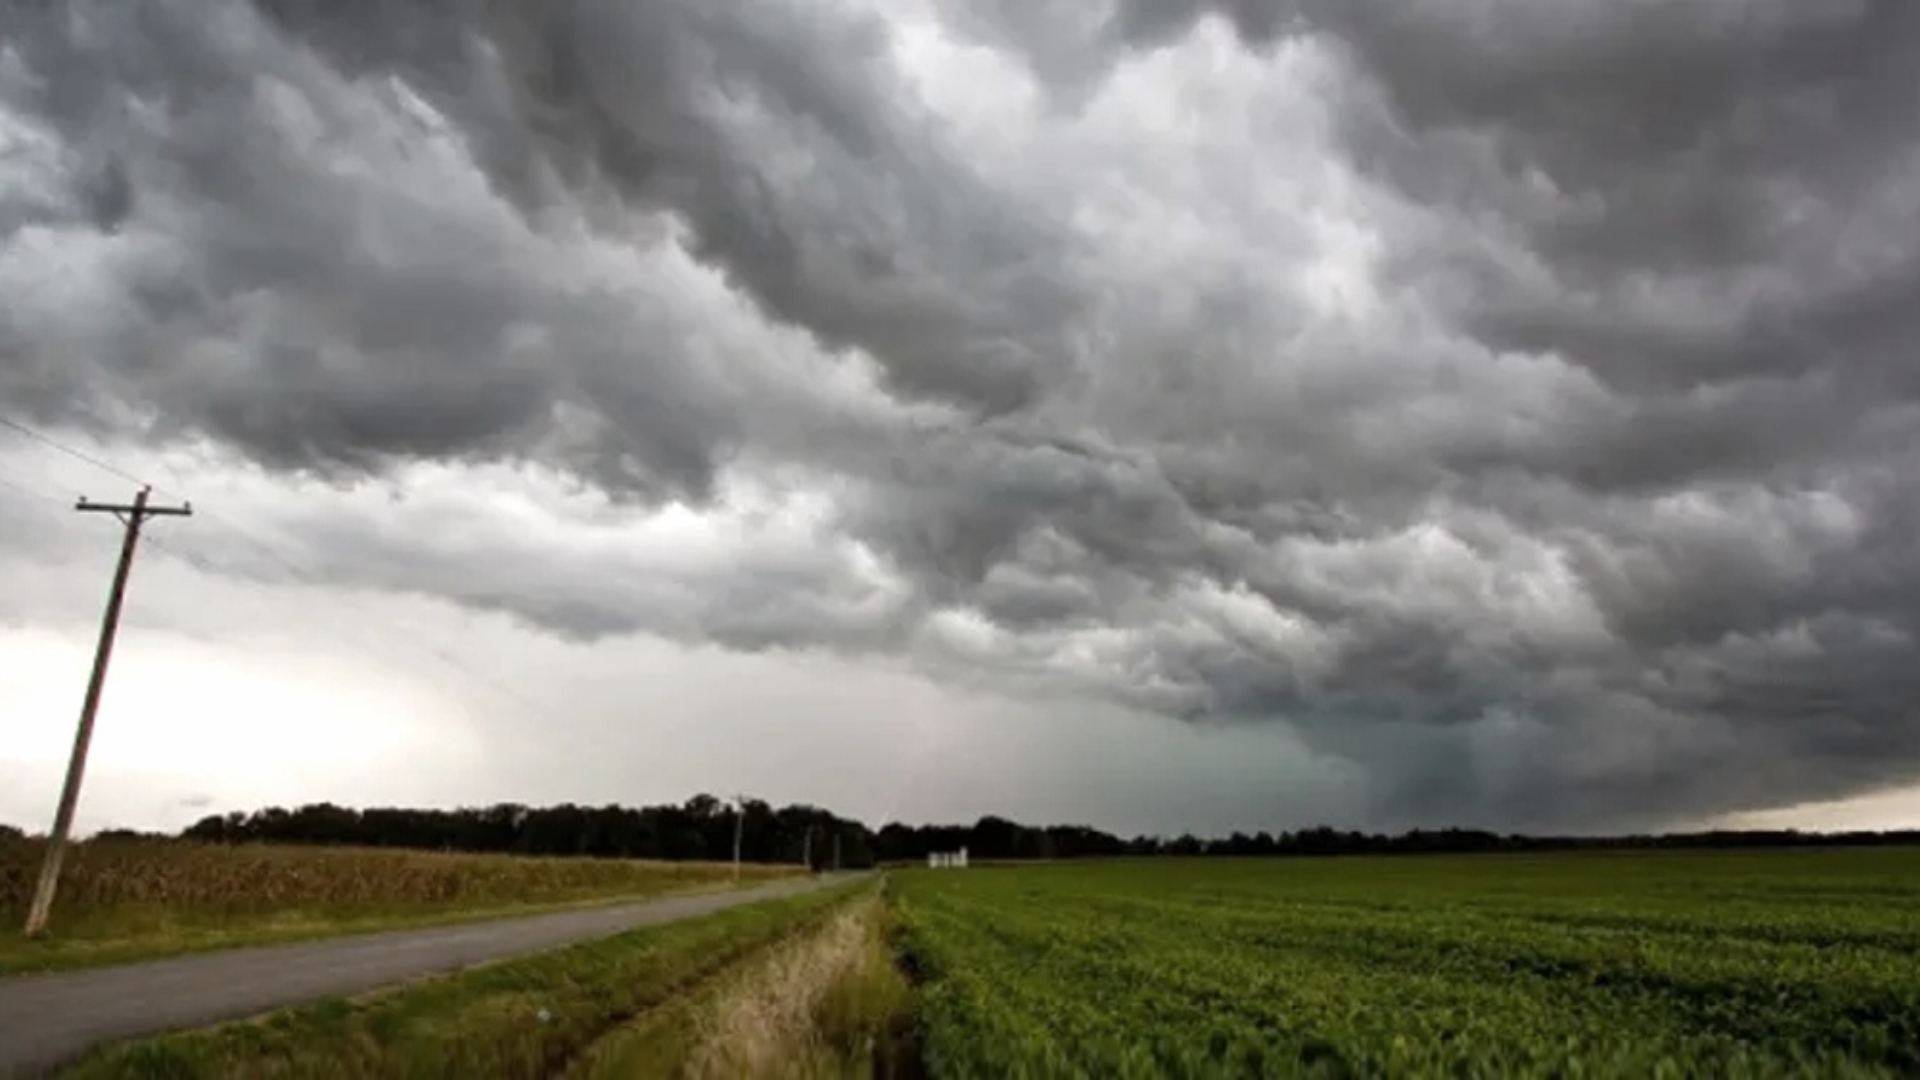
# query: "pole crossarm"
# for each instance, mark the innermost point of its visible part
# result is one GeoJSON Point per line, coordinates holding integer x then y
{"type": "Point", "coordinates": [88, 505]}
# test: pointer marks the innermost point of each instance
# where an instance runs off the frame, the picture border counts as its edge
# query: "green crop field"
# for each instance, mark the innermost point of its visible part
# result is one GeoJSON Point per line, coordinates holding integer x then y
{"type": "Point", "coordinates": [1800, 963]}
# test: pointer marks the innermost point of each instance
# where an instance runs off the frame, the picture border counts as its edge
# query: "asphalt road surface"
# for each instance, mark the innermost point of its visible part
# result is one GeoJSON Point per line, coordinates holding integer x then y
{"type": "Point", "coordinates": [49, 1020]}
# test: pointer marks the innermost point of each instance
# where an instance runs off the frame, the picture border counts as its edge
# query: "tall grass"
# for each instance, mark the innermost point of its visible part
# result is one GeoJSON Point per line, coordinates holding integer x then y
{"type": "Point", "coordinates": [826, 1002]}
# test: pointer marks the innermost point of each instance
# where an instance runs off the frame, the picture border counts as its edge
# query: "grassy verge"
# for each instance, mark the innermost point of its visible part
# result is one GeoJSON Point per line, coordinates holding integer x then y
{"type": "Point", "coordinates": [121, 902]}
{"type": "Point", "coordinates": [521, 1018]}
{"type": "Point", "coordinates": [826, 1002]}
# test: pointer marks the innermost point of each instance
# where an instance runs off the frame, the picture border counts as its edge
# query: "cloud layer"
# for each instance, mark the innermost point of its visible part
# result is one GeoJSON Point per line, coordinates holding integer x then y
{"type": "Point", "coordinates": [1516, 400]}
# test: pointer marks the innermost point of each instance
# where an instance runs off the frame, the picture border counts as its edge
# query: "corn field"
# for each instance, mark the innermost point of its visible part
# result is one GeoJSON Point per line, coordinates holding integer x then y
{"type": "Point", "coordinates": [108, 880]}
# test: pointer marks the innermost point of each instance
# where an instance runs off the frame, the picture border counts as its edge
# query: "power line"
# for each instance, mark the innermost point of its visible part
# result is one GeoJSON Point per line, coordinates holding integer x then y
{"type": "Point", "coordinates": [308, 577]}
{"type": "Point", "coordinates": [72, 452]}
{"type": "Point", "coordinates": [366, 646]}
{"type": "Point", "coordinates": [302, 574]}
{"type": "Point", "coordinates": [305, 576]}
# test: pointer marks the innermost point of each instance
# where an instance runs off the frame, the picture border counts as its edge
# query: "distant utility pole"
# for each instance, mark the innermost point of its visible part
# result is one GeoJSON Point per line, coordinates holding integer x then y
{"type": "Point", "coordinates": [739, 812]}
{"type": "Point", "coordinates": [806, 850]}
{"type": "Point", "coordinates": [132, 517]}
{"type": "Point", "coordinates": [836, 851]}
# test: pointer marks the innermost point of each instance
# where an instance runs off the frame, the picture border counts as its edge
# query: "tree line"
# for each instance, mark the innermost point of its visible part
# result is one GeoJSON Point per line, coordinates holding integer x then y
{"type": "Point", "coordinates": [702, 828]}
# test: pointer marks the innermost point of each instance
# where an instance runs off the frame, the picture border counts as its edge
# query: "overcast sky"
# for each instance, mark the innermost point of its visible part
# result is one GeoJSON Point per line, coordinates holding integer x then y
{"type": "Point", "coordinates": [1162, 414]}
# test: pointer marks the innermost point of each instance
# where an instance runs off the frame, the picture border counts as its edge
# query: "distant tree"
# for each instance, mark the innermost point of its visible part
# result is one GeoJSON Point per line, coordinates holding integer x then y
{"type": "Point", "coordinates": [128, 834]}
{"type": "Point", "coordinates": [702, 828]}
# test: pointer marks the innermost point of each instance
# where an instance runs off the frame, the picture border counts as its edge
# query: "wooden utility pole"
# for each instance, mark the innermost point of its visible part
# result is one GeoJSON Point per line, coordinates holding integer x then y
{"type": "Point", "coordinates": [739, 811]}
{"type": "Point", "coordinates": [806, 849]}
{"type": "Point", "coordinates": [132, 517]}
{"type": "Point", "coordinates": [836, 851]}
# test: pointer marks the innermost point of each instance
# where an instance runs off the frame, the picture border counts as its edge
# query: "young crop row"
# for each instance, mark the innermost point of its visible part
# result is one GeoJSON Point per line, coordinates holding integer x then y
{"type": "Point", "coordinates": [101, 879]}
{"type": "Point", "coordinates": [1570, 966]}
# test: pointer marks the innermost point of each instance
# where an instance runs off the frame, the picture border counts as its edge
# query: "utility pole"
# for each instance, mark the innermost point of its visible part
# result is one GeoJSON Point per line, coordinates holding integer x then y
{"type": "Point", "coordinates": [132, 518]}
{"type": "Point", "coordinates": [806, 849]}
{"type": "Point", "coordinates": [836, 851]}
{"type": "Point", "coordinates": [739, 811]}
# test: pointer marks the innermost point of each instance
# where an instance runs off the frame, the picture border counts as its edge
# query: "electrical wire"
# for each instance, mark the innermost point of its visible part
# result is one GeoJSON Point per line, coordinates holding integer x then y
{"type": "Point", "coordinates": [303, 575]}
{"type": "Point", "coordinates": [77, 454]}
{"type": "Point", "coordinates": [308, 577]}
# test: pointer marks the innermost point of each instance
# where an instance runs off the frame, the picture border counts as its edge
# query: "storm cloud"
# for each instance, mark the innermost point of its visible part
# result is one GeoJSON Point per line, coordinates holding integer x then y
{"type": "Point", "coordinates": [1518, 401]}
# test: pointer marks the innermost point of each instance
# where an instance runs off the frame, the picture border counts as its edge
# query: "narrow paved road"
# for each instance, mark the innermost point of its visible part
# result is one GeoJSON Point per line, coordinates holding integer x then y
{"type": "Point", "coordinates": [48, 1020]}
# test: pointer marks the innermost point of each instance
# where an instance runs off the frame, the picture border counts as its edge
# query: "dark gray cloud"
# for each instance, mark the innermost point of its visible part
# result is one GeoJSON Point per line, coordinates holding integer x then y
{"type": "Point", "coordinates": [1514, 399]}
